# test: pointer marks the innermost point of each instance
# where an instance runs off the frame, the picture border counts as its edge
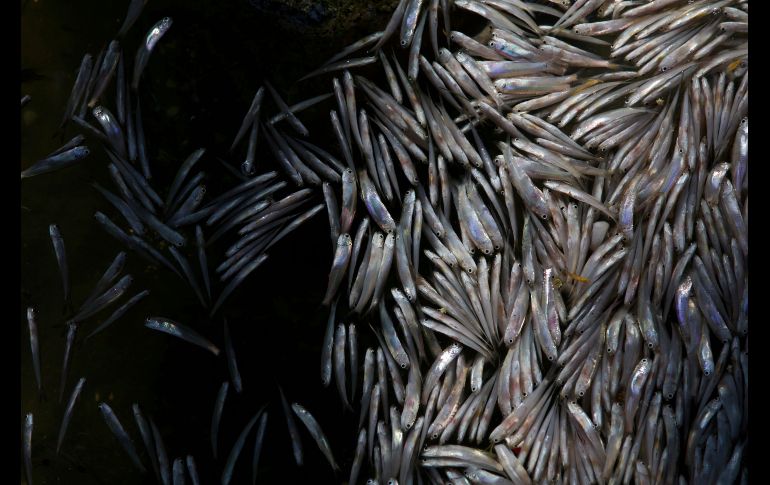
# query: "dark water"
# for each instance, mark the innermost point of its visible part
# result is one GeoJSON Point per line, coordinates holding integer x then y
{"type": "Point", "coordinates": [199, 82]}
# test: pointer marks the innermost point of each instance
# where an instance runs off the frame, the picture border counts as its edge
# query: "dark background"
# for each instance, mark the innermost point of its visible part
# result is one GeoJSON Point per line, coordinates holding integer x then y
{"type": "Point", "coordinates": [199, 82]}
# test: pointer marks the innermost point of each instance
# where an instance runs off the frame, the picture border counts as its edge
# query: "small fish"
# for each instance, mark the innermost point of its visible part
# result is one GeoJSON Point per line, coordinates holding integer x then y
{"type": "Point", "coordinates": [147, 437]}
{"type": "Point", "coordinates": [117, 429]}
{"type": "Point", "coordinates": [141, 146]}
{"type": "Point", "coordinates": [227, 473]}
{"type": "Point", "coordinates": [216, 416]}
{"type": "Point", "coordinates": [33, 342]}
{"type": "Point", "coordinates": [353, 359]}
{"type": "Point", "coordinates": [178, 472]}
{"type": "Point", "coordinates": [104, 300]}
{"type": "Point", "coordinates": [192, 470]}
{"type": "Point", "coordinates": [28, 425]}
{"type": "Point", "coordinates": [56, 162]}
{"type": "Point", "coordinates": [315, 430]}
{"type": "Point", "coordinates": [355, 468]}
{"type": "Point", "coordinates": [251, 117]}
{"type": "Point", "coordinates": [145, 49]}
{"type": "Point", "coordinates": [134, 10]}
{"type": "Point", "coordinates": [171, 327]}
{"type": "Point", "coordinates": [68, 412]}
{"type": "Point", "coordinates": [296, 444]}
{"type": "Point", "coordinates": [258, 440]}
{"type": "Point", "coordinates": [340, 65]}
{"type": "Point", "coordinates": [237, 280]}
{"type": "Point", "coordinates": [70, 339]}
{"type": "Point", "coordinates": [376, 208]}
{"type": "Point", "coordinates": [119, 312]}
{"type": "Point", "coordinates": [106, 72]}
{"type": "Point", "coordinates": [339, 266]}
{"type": "Point", "coordinates": [78, 89]}
{"type": "Point", "coordinates": [339, 363]}
{"type": "Point", "coordinates": [232, 365]}
{"type": "Point", "coordinates": [162, 456]}
{"type": "Point", "coordinates": [293, 120]}
{"type": "Point", "coordinates": [181, 174]}
{"type": "Point", "coordinates": [111, 127]}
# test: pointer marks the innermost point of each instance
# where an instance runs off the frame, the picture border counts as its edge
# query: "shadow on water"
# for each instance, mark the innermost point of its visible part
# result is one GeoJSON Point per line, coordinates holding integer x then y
{"type": "Point", "coordinates": [195, 90]}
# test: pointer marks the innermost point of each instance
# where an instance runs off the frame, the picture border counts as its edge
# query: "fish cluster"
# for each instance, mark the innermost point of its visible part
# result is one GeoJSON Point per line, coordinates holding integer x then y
{"type": "Point", "coordinates": [543, 225]}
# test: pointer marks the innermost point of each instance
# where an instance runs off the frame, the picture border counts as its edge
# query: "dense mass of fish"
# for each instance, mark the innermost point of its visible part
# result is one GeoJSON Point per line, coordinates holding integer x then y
{"type": "Point", "coordinates": [544, 225]}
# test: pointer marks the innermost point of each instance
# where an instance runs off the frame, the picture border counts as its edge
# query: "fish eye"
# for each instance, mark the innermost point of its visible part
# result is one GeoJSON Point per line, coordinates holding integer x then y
{"type": "Point", "coordinates": [403, 43]}
{"type": "Point", "coordinates": [544, 217]}
{"type": "Point", "coordinates": [580, 393]}
{"type": "Point", "coordinates": [403, 366]}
